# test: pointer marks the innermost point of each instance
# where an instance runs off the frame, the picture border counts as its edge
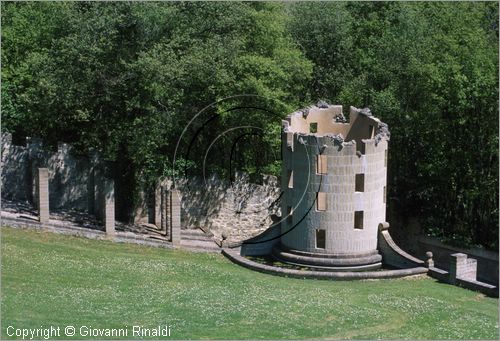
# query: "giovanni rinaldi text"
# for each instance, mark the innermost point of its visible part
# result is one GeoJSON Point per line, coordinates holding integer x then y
{"type": "Point", "coordinates": [86, 331]}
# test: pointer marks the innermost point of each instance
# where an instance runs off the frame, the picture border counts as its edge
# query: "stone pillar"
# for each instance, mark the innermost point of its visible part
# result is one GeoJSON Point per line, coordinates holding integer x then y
{"type": "Point", "coordinates": [109, 206]}
{"type": "Point", "coordinates": [163, 210]}
{"type": "Point", "coordinates": [462, 267]}
{"type": "Point", "coordinates": [43, 195]}
{"type": "Point", "coordinates": [175, 217]}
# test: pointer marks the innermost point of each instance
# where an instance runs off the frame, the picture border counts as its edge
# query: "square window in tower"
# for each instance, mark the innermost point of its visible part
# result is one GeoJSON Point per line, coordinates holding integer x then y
{"type": "Point", "coordinates": [360, 183]}
{"type": "Point", "coordinates": [320, 239]}
{"type": "Point", "coordinates": [321, 201]}
{"type": "Point", "coordinates": [313, 127]}
{"type": "Point", "coordinates": [358, 220]}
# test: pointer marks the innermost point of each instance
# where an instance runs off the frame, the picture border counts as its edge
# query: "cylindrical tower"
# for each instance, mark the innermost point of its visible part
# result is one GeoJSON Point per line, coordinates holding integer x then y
{"type": "Point", "coordinates": [334, 188]}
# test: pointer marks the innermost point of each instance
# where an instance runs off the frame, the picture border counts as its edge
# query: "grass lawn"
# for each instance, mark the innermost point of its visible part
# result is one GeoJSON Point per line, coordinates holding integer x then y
{"type": "Point", "coordinates": [50, 279]}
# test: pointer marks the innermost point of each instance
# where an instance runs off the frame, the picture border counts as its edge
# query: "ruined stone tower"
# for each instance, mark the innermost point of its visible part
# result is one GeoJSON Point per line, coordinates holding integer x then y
{"type": "Point", "coordinates": [334, 188]}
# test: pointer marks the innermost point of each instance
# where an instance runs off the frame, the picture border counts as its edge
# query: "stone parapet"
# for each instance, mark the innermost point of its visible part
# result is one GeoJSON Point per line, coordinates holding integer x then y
{"type": "Point", "coordinates": [392, 254]}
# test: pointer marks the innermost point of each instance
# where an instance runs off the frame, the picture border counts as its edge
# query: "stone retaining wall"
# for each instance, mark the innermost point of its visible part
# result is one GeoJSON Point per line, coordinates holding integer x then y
{"type": "Point", "coordinates": [238, 209]}
{"type": "Point", "coordinates": [69, 174]}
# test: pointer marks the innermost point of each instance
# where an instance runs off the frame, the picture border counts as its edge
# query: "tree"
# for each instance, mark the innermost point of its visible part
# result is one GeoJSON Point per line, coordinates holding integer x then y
{"type": "Point", "coordinates": [126, 78]}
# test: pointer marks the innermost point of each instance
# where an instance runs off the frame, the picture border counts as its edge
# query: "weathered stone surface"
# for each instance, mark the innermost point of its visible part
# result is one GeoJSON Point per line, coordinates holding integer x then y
{"type": "Point", "coordinates": [240, 209]}
{"type": "Point", "coordinates": [429, 262]}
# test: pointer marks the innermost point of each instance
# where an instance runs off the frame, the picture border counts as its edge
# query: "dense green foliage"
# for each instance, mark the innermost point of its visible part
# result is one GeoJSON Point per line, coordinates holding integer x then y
{"type": "Point", "coordinates": [126, 78]}
{"type": "Point", "coordinates": [50, 279]}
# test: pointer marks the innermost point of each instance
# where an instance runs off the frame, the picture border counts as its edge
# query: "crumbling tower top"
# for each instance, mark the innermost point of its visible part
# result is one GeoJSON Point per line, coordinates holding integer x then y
{"type": "Point", "coordinates": [329, 120]}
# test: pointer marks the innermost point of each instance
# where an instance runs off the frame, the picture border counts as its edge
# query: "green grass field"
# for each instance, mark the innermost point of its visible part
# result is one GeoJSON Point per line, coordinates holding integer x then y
{"type": "Point", "coordinates": [50, 279]}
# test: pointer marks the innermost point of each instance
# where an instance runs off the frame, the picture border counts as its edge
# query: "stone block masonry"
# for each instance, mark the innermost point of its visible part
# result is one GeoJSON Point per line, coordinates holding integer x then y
{"type": "Point", "coordinates": [239, 209]}
{"type": "Point", "coordinates": [462, 267]}
{"type": "Point", "coordinates": [75, 179]}
{"type": "Point", "coordinates": [43, 195]}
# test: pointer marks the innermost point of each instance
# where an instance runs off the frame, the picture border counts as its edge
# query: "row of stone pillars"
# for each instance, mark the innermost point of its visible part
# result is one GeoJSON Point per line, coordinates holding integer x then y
{"type": "Point", "coordinates": [165, 212]}
{"type": "Point", "coordinates": [170, 206]}
{"type": "Point", "coordinates": [42, 190]}
{"type": "Point", "coordinates": [167, 215]}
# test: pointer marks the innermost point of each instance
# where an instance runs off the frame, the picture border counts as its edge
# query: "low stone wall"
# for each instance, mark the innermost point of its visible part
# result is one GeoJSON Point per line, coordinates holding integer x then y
{"type": "Point", "coordinates": [463, 273]}
{"type": "Point", "coordinates": [487, 261]}
{"type": "Point", "coordinates": [408, 233]}
{"type": "Point", "coordinates": [392, 254]}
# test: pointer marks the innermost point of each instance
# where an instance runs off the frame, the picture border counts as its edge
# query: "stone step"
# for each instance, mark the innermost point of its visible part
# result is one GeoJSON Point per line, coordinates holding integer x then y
{"type": "Point", "coordinates": [196, 232]}
{"type": "Point", "coordinates": [200, 245]}
{"type": "Point", "coordinates": [193, 234]}
{"type": "Point", "coordinates": [200, 238]}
